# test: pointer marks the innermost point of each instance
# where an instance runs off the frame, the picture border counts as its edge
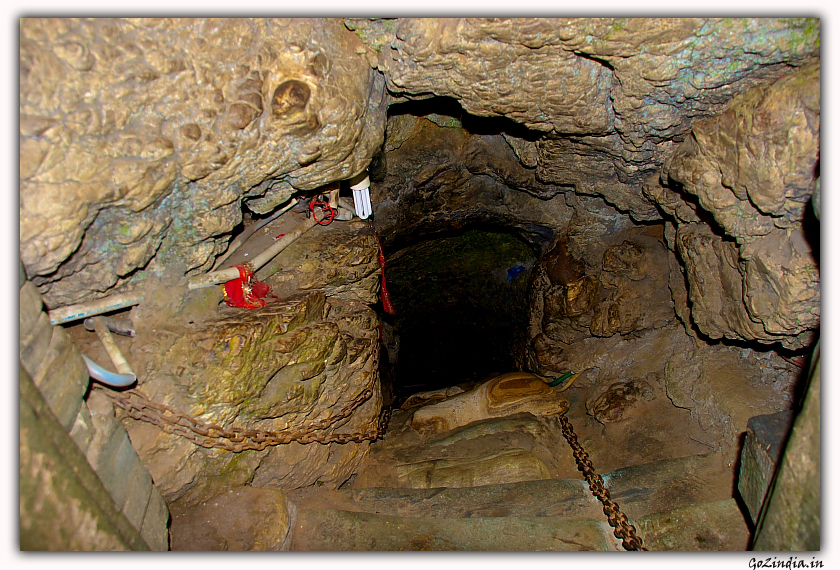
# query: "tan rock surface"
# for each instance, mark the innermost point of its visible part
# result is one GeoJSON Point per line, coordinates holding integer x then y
{"type": "Point", "coordinates": [243, 518]}
{"type": "Point", "coordinates": [297, 362]}
{"type": "Point", "coordinates": [141, 137]}
{"type": "Point", "coordinates": [505, 467]}
{"type": "Point", "coordinates": [502, 396]}
{"type": "Point", "coordinates": [754, 168]}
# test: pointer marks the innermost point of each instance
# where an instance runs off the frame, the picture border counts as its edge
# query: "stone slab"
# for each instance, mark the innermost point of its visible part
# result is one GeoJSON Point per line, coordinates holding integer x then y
{"type": "Point", "coordinates": [63, 504]}
{"type": "Point", "coordinates": [792, 520]}
{"type": "Point", "coordinates": [544, 498]}
{"type": "Point", "coordinates": [139, 484]}
{"type": "Point", "coordinates": [30, 308]}
{"type": "Point", "coordinates": [718, 526]}
{"type": "Point", "coordinates": [323, 530]}
{"type": "Point", "coordinates": [35, 344]}
{"type": "Point", "coordinates": [762, 451]}
{"type": "Point", "coordinates": [669, 484]}
{"type": "Point", "coordinates": [155, 528]}
{"type": "Point", "coordinates": [505, 467]}
{"type": "Point", "coordinates": [62, 377]}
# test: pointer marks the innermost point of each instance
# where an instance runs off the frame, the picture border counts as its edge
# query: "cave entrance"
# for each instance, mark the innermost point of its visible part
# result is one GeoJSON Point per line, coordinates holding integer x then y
{"type": "Point", "coordinates": [462, 308]}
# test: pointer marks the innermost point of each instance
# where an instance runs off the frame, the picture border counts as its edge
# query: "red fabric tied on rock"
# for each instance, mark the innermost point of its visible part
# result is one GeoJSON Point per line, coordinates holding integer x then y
{"type": "Point", "coordinates": [246, 292]}
{"type": "Point", "coordinates": [385, 296]}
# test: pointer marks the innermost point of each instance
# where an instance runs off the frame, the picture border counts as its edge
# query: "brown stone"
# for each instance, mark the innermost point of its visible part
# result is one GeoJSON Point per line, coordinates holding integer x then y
{"type": "Point", "coordinates": [614, 403]}
{"type": "Point", "coordinates": [290, 96]}
{"type": "Point", "coordinates": [502, 396]}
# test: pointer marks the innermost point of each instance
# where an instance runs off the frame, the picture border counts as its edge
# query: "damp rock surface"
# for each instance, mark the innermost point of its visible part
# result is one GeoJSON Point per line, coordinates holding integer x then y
{"type": "Point", "coordinates": [139, 150]}
{"type": "Point", "coordinates": [141, 138]}
{"type": "Point", "coordinates": [243, 518]}
{"type": "Point", "coordinates": [305, 363]}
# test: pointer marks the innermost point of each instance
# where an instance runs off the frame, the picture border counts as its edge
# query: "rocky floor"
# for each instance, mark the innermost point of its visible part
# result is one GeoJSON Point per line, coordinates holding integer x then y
{"type": "Point", "coordinates": [511, 483]}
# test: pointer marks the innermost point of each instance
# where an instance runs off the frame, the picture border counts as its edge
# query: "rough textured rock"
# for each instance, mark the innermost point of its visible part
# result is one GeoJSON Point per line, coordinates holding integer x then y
{"type": "Point", "coordinates": [443, 171]}
{"type": "Point", "coordinates": [619, 93]}
{"type": "Point", "coordinates": [340, 259]}
{"type": "Point", "coordinates": [624, 291]}
{"type": "Point", "coordinates": [294, 363]}
{"type": "Point", "coordinates": [716, 288]}
{"type": "Point", "coordinates": [141, 137]}
{"type": "Point", "coordinates": [138, 149]}
{"type": "Point", "coordinates": [754, 168]}
{"type": "Point", "coordinates": [502, 396]}
{"type": "Point", "coordinates": [738, 97]}
{"type": "Point", "coordinates": [634, 276]}
{"type": "Point", "coordinates": [722, 388]}
{"type": "Point", "coordinates": [612, 405]}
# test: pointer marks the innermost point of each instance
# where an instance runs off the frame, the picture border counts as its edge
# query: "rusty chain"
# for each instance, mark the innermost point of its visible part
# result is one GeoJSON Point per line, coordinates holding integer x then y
{"type": "Point", "coordinates": [237, 439]}
{"type": "Point", "coordinates": [618, 520]}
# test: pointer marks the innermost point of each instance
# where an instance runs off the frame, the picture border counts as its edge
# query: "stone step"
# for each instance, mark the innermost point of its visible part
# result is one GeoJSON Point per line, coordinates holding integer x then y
{"type": "Point", "coordinates": [717, 526]}
{"type": "Point", "coordinates": [335, 530]}
{"type": "Point", "coordinates": [683, 504]}
{"type": "Point", "coordinates": [639, 490]}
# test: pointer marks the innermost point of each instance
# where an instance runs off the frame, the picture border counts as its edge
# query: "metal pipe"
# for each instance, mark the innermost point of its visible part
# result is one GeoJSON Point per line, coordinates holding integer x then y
{"type": "Point", "coordinates": [225, 275]}
{"type": "Point", "coordinates": [120, 363]}
{"type": "Point", "coordinates": [105, 305]}
{"type": "Point", "coordinates": [243, 237]}
{"type": "Point", "coordinates": [116, 380]}
{"type": "Point", "coordinates": [123, 300]}
{"type": "Point", "coordinates": [123, 327]}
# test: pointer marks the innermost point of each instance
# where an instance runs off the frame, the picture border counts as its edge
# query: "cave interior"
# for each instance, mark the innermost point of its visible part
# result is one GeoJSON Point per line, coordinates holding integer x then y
{"type": "Point", "coordinates": [556, 231]}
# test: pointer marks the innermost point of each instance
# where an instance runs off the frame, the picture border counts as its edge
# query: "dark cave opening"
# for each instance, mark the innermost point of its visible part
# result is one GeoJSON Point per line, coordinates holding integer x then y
{"type": "Point", "coordinates": [462, 308]}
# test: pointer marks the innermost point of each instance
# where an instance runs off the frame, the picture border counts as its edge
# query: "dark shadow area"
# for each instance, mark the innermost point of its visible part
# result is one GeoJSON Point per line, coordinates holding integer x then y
{"type": "Point", "coordinates": [462, 308]}
{"type": "Point", "coordinates": [450, 107]}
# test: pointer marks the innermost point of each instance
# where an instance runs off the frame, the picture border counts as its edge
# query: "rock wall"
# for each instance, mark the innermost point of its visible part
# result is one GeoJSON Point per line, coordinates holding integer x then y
{"type": "Point", "coordinates": [141, 138]}
{"type": "Point", "coordinates": [297, 363]}
{"type": "Point", "coordinates": [754, 168]}
{"type": "Point", "coordinates": [609, 97]}
{"type": "Point", "coordinates": [83, 485]}
{"type": "Point", "coordinates": [696, 121]}
{"type": "Point", "coordinates": [440, 171]}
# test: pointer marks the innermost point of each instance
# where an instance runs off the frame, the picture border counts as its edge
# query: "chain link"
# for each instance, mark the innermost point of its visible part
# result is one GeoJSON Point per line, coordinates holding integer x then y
{"type": "Point", "coordinates": [237, 439]}
{"type": "Point", "coordinates": [618, 520]}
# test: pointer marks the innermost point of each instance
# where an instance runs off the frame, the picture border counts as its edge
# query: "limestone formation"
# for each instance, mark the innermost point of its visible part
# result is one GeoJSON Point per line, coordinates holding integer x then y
{"type": "Point", "coordinates": [438, 175]}
{"type": "Point", "coordinates": [611, 94]}
{"type": "Point", "coordinates": [648, 180]}
{"type": "Point", "coordinates": [502, 396]}
{"type": "Point", "coordinates": [616, 401]}
{"type": "Point", "coordinates": [141, 138]}
{"type": "Point", "coordinates": [754, 169]}
{"type": "Point", "coordinates": [295, 363]}
{"type": "Point", "coordinates": [722, 389]}
{"type": "Point", "coordinates": [627, 291]}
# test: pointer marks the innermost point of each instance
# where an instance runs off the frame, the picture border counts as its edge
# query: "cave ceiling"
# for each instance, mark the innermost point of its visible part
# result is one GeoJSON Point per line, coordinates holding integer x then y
{"type": "Point", "coordinates": [144, 142]}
